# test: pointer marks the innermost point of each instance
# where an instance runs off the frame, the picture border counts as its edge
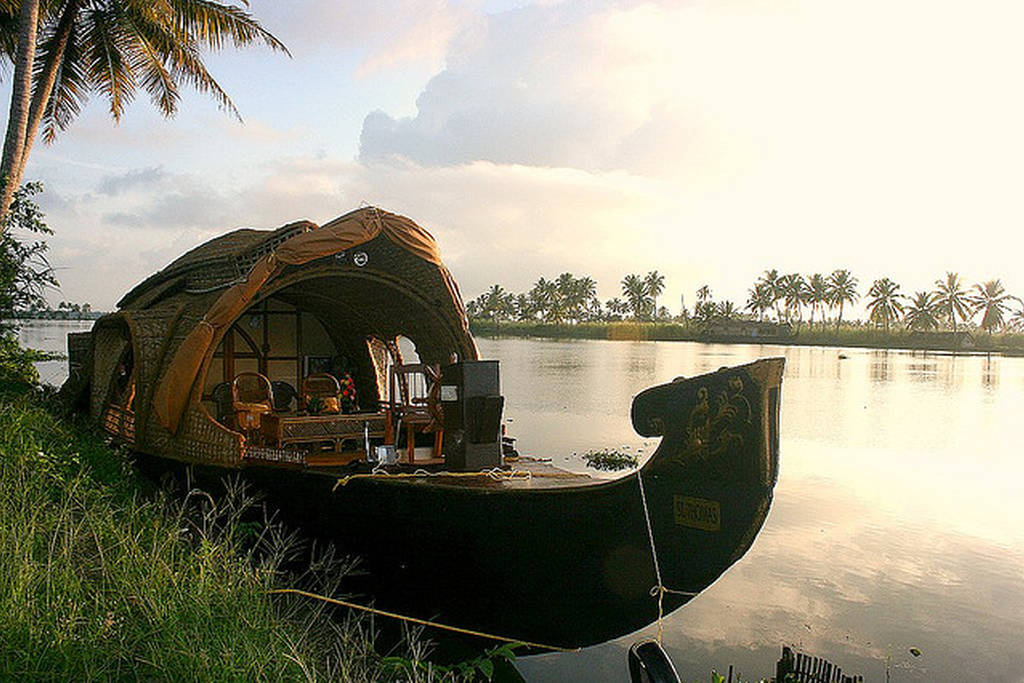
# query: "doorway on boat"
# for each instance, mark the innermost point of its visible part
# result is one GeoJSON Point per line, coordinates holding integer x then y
{"type": "Point", "coordinates": [115, 370]}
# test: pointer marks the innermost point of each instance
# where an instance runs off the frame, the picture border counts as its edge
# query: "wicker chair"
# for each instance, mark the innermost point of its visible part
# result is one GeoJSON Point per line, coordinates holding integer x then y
{"type": "Point", "coordinates": [252, 397]}
{"type": "Point", "coordinates": [415, 391]}
{"type": "Point", "coordinates": [223, 398]}
{"type": "Point", "coordinates": [284, 394]}
{"type": "Point", "coordinates": [324, 388]}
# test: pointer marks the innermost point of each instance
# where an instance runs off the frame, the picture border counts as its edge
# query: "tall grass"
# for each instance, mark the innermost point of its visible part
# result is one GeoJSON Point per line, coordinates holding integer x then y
{"type": "Point", "coordinates": [99, 581]}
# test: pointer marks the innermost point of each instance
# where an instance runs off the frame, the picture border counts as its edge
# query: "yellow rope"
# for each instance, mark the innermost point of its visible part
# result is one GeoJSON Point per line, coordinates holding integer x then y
{"type": "Point", "coordinates": [421, 622]}
{"type": "Point", "coordinates": [496, 474]}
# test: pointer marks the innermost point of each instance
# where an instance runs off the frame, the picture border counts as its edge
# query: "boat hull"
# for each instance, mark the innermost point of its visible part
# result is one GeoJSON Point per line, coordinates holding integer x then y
{"type": "Point", "coordinates": [572, 565]}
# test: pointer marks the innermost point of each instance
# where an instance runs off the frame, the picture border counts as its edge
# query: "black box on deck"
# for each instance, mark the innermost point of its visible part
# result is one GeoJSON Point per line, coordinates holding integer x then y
{"type": "Point", "coordinates": [472, 405]}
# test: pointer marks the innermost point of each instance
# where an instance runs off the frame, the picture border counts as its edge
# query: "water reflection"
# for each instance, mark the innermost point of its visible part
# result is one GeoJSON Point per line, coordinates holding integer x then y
{"type": "Point", "coordinates": [51, 336]}
{"type": "Point", "coordinates": [951, 371]}
{"type": "Point", "coordinates": [990, 373]}
{"type": "Point", "coordinates": [897, 517]}
{"type": "Point", "coordinates": [880, 365]}
{"type": "Point", "coordinates": [922, 367]}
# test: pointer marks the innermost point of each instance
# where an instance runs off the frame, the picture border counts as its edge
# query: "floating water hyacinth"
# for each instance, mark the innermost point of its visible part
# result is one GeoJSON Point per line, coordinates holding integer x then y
{"type": "Point", "coordinates": [610, 460]}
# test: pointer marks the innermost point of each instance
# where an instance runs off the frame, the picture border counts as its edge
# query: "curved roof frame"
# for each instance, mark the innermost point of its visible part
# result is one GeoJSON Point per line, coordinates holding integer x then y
{"type": "Point", "coordinates": [275, 286]}
{"type": "Point", "coordinates": [292, 261]}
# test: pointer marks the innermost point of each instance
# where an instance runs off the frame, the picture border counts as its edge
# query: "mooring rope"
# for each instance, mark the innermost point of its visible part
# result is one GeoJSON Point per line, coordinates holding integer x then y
{"type": "Point", "coordinates": [414, 620]}
{"type": "Point", "coordinates": [659, 589]}
{"type": "Point", "coordinates": [495, 474]}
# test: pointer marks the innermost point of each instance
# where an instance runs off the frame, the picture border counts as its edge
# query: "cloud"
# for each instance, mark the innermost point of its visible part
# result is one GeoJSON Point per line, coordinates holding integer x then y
{"type": "Point", "coordinates": [116, 184]}
{"type": "Point", "coordinates": [593, 85]}
{"type": "Point", "coordinates": [388, 33]}
{"type": "Point", "coordinates": [481, 213]}
{"type": "Point", "coordinates": [706, 140]}
{"type": "Point", "coordinates": [815, 136]}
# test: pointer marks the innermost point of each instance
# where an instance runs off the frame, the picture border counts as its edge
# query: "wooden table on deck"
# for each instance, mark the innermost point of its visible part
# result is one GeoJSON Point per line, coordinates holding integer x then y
{"type": "Point", "coordinates": [282, 429]}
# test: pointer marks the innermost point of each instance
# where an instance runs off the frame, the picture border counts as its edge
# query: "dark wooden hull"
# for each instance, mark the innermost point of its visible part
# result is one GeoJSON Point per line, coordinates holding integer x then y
{"type": "Point", "coordinates": [566, 565]}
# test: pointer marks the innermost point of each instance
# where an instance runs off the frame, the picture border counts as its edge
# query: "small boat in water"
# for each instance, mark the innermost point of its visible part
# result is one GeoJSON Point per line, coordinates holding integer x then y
{"type": "Point", "coordinates": [284, 354]}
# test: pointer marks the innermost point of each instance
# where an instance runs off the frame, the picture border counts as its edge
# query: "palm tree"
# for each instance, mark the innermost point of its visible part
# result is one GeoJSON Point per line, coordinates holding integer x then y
{"type": "Point", "coordinates": [817, 295]}
{"type": "Point", "coordinates": [565, 302]}
{"type": "Point", "coordinates": [634, 289]}
{"type": "Point", "coordinates": [727, 310]}
{"type": "Point", "coordinates": [794, 293]}
{"type": "Point", "coordinates": [759, 300]}
{"type": "Point", "coordinates": [542, 298]}
{"type": "Point", "coordinates": [842, 289]}
{"type": "Point", "coordinates": [67, 49]}
{"type": "Point", "coordinates": [584, 297]}
{"type": "Point", "coordinates": [922, 313]}
{"type": "Point", "coordinates": [523, 308]}
{"type": "Point", "coordinates": [952, 300]}
{"type": "Point", "coordinates": [1016, 321]}
{"type": "Point", "coordinates": [994, 301]}
{"type": "Point", "coordinates": [655, 283]}
{"type": "Point", "coordinates": [770, 279]}
{"type": "Point", "coordinates": [884, 306]}
{"type": "Point", "coordinates": [496, 303]}
{"type": "Point", "coordinates": [616, 308]}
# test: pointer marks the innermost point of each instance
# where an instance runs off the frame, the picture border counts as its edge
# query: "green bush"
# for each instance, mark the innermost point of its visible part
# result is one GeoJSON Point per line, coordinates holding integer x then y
{"type": "Point", "coordinates": [24, 271]}
{"type": "Point", "coordinates": [17, 369]}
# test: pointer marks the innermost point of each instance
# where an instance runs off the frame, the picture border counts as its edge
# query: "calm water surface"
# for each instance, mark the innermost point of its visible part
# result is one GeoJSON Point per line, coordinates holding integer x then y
{"type": "Point", "coordinates": [897, 519]}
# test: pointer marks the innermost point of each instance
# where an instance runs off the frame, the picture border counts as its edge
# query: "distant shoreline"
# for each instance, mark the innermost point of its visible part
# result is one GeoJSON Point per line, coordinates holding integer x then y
{"type": "Point", "coordinates": [59, 316]}
{"type": "Point", "coordinates": [847, 336]}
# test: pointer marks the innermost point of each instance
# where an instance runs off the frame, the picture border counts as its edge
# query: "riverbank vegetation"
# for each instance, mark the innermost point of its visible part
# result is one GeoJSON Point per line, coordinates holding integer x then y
{"type": "Point", "coordinates": [66, 310]}
{"type": "Point", "coordinates": [25, 274]}
{"type": "Point", "coordinates": [103, 580]}
{"type": "Point", "coordinates": [786, 309]}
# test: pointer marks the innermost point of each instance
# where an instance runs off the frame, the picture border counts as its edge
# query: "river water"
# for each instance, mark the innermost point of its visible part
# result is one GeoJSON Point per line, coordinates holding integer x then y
{"type": "Point", "coordinates": [897, 520]}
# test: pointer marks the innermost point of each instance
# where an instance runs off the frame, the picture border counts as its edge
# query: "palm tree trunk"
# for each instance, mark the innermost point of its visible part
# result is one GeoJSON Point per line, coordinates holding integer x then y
{"type": "Point", "coordinates": [12, 167]}
{"type": "Point", "coordinates": [44, 87]}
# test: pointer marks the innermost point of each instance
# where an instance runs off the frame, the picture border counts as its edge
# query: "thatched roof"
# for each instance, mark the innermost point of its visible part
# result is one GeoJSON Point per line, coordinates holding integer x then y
{"type": "Point", "coordinates": [368, 272]}
{"type": "Point", "coordinates": [222, 257]}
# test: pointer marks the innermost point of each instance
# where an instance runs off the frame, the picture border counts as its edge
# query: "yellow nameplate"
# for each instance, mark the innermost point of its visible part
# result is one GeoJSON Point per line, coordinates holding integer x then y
{"type": "Point", "coordinates": [698, 513]}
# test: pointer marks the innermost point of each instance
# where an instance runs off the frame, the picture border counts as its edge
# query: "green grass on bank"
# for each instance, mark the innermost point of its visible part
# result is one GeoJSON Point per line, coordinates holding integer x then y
{"type": "Point", "coordinates": [851, 335]}
{"type": "Point", "coordinates": [99, 581]}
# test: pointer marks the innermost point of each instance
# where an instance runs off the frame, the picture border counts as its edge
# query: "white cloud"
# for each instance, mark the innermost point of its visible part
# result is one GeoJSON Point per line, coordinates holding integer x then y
{"type": "Point", "coordinates": [387, 33]}
{"type": "Point", "coordinates": [815, 135]}
{"type": "Point", "coordinates": [117, 183]}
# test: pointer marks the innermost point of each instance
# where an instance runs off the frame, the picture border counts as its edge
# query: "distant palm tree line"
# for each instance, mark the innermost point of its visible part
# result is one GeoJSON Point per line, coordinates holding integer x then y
{"type": "Point", "coordinates": [783, 298]}
{"type": "Point", "coordinates": [571, 299]}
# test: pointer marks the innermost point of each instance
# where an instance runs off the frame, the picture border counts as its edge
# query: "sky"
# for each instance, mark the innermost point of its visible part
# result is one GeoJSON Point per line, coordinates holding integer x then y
{"type": "Point", "coordinates": [707, 140]}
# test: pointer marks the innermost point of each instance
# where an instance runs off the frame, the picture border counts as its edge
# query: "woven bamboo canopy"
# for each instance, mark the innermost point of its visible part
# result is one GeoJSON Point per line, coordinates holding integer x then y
{"type": "Point", "coordinates": [367, 274]}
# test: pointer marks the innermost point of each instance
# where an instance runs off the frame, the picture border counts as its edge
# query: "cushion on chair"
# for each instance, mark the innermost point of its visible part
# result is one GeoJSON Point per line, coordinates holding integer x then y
{"type": "Point", "coordinates": [241, 406]}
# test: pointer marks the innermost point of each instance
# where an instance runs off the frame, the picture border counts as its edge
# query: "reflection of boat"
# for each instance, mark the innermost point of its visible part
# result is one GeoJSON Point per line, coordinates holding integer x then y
{"type": "Point", "coordinates": [526, 550]}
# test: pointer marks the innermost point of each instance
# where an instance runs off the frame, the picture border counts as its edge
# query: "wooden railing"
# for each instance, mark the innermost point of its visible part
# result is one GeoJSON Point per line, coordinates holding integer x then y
{"type": "Point", "coordinates": [800, 668]}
